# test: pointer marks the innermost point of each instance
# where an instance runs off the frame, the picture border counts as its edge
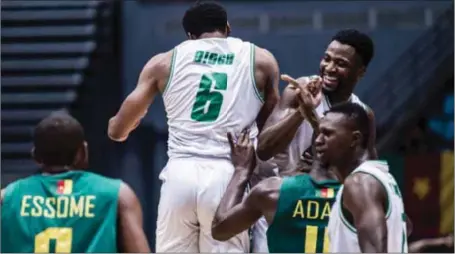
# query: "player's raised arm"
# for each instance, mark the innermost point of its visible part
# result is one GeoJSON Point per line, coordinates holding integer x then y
{"type": "Point", "coordinates": [267, 75]}
{"type": "Point", "coordinates": [364, 197]}
{"type": "Point", "coordinates": [285, 120]}
{"type": "Point", "coordinates": [131, 236]}
{"type": "Point", "coordinates": [154, 74]}
{"type": "Point", "coordinates": [232, 215]}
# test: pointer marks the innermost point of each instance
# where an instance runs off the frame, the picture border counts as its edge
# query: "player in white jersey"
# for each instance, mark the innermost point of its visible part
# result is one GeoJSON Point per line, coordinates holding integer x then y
{"type": "Point", "coordinates": [368, 214]}
{"type": "Point", "coordinates": [211, 84]}
{"type": "Point", "coordinates": [287, 137]}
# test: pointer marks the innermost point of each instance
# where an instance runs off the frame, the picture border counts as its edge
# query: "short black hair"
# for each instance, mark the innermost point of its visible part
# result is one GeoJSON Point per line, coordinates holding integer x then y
{"type": "Point", "coordinates": [57, 139]}
{"type": "Point", "coordinates": [204, 17]}
{"type": "Point", "coordinates": [358, 114]}
{"type": "Point", "coordinates": [362, 43]}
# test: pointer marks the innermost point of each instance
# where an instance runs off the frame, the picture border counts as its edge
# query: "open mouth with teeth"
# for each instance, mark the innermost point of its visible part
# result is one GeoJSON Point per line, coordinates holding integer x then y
{"type": "Point", "coordinates": [330, 82]}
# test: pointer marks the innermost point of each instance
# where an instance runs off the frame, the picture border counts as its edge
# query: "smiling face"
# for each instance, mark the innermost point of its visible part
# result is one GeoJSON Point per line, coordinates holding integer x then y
{"type": "Point", "coordinates": [337, 139]}
{"type": "Point", "coordinates": [340, 68]}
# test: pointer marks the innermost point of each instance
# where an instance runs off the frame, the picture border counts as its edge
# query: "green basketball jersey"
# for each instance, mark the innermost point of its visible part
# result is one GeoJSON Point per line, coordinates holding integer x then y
{"type": "Point", "coordinates": [75, 211]}
{"type": "Point", "coordinates": [302, 215]}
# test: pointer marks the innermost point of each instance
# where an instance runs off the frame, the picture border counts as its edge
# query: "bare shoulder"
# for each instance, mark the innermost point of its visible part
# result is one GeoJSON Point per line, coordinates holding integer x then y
{"type": "Point", "coordinates": [362, 187]}
{"type": "Point", "coordinates": [359, 180]}
{"type": "Point", "coordinates": [126, 196]}
{"type": "Point", "coordinates": [159, 65]}
{"type": "Point", "coordinates": [264, 58]}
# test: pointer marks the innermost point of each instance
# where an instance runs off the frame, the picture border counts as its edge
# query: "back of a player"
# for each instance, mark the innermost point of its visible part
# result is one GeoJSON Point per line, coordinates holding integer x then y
{"type": "Point", "coordinates": [343, 235]}
{"type": "Point", "coordinates": [302, 215]}
{"type": "Point", "coordinates": [72, 212]}
{"type": "Point", "coordinates": [211, 91]}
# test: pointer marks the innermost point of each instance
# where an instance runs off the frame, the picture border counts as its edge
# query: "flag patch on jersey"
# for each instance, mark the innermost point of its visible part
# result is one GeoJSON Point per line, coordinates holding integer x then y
{"type": "Point", "coordinates": [65, 187]}
{"type": "Point", "coordinates": [325, 193]}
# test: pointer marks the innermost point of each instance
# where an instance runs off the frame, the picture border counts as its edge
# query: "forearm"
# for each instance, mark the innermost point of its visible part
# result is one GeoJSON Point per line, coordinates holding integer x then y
{"type": "Point", "coordinates": [127, 118]}
{"type": "Point", "coordinates": [278, 136]}
{"type": "Point", "coordinates": [372, 234]}
{"type": "Point", "coordinates": [423, 244]}
{"type": "Point", "coordinates": [233, 195]}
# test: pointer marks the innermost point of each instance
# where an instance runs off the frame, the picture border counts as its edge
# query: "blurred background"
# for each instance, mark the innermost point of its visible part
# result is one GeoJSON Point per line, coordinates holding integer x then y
{"type": "Point", "coordinates": [86, 56]}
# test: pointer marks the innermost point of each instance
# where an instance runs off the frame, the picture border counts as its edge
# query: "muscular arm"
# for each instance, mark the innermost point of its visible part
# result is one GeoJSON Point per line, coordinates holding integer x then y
{"type": "Point", "coordinates": [372, 153]}
{"type": "Point", "coordinates": [234, 216]}
{"type": "Point", "coordinates": [364, 198]}
{"type": "Point", "coordinates": [281, 126]}
{"type": "Point", "coordinates": [130, 232]}
{"type": "Point", "coordinates": [135, 106]}
{"type": "Point", "coordinates": [267, 73]}
{"type": "Point", "coordinates": [424, 244]}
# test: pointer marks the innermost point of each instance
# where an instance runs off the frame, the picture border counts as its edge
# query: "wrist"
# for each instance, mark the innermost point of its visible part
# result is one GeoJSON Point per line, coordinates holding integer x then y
{"type": "Point", "coordinates": [299, 114]}
{"type": "Point", "coordinates": [242, 172]}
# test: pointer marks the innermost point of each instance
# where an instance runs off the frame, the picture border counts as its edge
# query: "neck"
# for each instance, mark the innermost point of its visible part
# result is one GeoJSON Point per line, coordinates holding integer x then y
{"type": "Point", "coordinates": [320, 173]}
{"type": "Point", "coordinates": [52, 170]}
{"type": "Point", "coordinates": [345, 168]}
{"type": "Point", "coordinates": [338, 96]}
{"type": "Point", "coordinates": [212, 35]}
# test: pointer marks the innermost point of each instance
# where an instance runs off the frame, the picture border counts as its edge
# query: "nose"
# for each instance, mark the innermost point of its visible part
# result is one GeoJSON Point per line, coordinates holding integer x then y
{"type": "Point", "coordinates": [319, 140]}
{"type": "Point", "coordinates": [330, 67]}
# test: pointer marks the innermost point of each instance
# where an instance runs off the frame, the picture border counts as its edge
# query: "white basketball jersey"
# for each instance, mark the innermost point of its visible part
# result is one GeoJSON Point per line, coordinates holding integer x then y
{"type": "Point", "coordinates": [211, 91]}
{"type": "Point", "coordinates": [303, 137]}
{"type": "Point", "coordinates": [343, 236]}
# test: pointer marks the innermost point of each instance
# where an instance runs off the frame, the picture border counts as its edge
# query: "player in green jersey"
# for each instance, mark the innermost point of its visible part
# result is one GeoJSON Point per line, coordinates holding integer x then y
{"type": "Point", "coordinates": [64, 209]}
{"type": "Point", "coordinates": [297, 207]}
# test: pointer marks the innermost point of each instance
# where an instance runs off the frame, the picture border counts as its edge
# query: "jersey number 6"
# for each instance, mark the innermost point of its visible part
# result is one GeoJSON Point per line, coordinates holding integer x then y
{"type": "Point", "coordinates": [207, 105]}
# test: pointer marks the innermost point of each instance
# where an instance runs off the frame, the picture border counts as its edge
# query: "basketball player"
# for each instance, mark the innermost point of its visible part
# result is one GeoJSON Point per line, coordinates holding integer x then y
{"type": "Point", "coordinates": [287, 137]}
{"type": "Point", "coordinates": [65, 209]}
{"type": "Point", "coordinates": [343, 65]}
{"type": "Point", "coordinates": [368, 214]}
{"type": "Point", "coordinates": [297, 208]}
{"type": "Point", "coordinates": [211, 84]}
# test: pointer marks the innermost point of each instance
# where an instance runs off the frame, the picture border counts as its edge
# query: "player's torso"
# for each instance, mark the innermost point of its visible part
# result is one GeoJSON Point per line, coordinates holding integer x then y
{"type": "Point", "coordinates": [68, 212]}
{"type": "Point", "coordinates": [211, 91]}
{"type": "Point", "coordinates": [303, 138]}
{"type": "Point", "coordinates": [300, 222]}
{"type": "Point", "coordinates": [343, 236]}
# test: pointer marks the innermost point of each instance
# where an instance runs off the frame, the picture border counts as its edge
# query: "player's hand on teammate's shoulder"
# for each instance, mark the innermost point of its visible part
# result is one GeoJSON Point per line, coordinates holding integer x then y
{"type": "Point", "coordinates": [243, 155]}
{"type": "Point", "coordinates": [310, 89]}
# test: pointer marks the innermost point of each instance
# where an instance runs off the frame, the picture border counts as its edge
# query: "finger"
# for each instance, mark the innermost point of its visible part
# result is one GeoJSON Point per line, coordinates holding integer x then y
{"type": "Point", "coordinates": [231, 141]}
{"type": "Point", "coordinates": [289, 79]}
{"type": "Point", "coordinates": [245, 137]}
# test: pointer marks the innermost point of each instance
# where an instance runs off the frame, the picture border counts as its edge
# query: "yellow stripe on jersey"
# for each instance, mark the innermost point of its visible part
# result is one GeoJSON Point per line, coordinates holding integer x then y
{"type": "Point", "coordinates": [68, 187]}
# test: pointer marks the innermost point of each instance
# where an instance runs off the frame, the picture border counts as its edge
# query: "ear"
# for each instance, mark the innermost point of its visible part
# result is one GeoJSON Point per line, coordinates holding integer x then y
{"type": "Point", "coordinates": [361, 72]}
{"type": "Point", "coordinates": [228, 29]}
{"type": "Point", "coordinates": [35, 158]}
{"type": "Point", "coordinates": [356, 139]}
{"type": "Point", "coordinates": [81, 160]}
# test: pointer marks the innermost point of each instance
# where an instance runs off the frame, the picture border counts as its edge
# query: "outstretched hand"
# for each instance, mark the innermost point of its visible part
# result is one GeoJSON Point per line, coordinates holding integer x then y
{"type": "Point", "coordinates": [243, 154]}
{"type": "Point", "coordinates": [310, 90]}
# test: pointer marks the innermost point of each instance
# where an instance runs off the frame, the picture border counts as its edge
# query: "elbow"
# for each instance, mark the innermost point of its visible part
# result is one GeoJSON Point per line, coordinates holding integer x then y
{"type": "Point", "coordinates": [263, 152]}
{"type": "Point", "coordinates": [113, 132]}
{"type": "Point", "coordinates": [218, 234]}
